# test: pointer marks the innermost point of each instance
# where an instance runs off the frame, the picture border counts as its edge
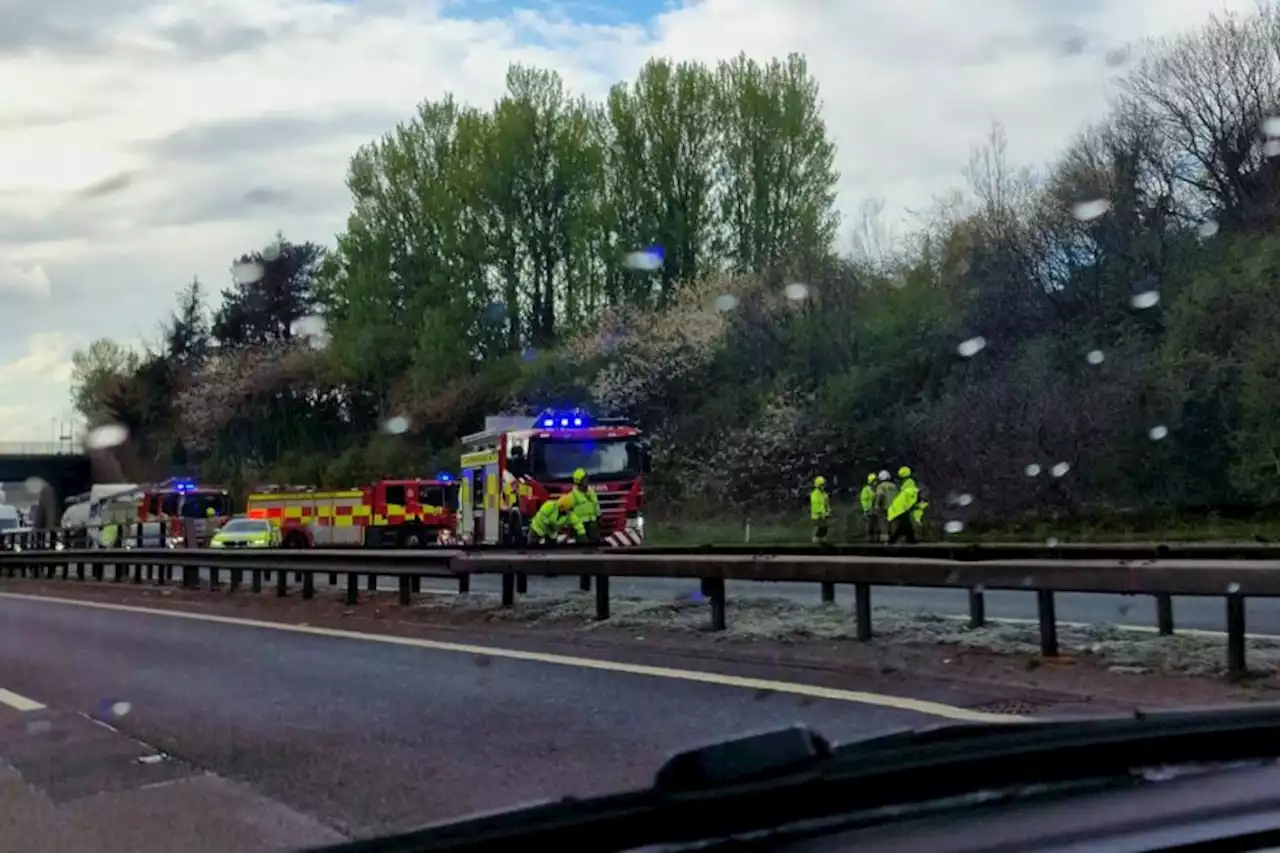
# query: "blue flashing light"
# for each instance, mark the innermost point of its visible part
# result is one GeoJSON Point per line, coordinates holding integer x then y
{"type": "Point", "coordinates": [184, 486]}
{"type": "Point", "coordinates": [444, 477]}
{"type": "Point", "coordinates": [563, 420]}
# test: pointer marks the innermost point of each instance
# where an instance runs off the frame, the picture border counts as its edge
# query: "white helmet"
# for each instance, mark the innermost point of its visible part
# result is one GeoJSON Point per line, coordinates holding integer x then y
{"type": "Point", "coordinates": [884, 475]}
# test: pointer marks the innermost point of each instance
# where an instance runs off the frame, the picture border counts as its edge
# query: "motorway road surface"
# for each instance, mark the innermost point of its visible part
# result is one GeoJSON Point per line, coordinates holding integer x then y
{"type": "Point", "coordinates": [358, 736]}
{"type": "Point", "coordinates": [1206, 614]}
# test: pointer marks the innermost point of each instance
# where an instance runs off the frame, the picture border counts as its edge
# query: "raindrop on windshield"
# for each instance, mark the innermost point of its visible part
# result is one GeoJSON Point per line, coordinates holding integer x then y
{"type": "Point", "coordinates": [1271, 148]}
{"type": "Point", "coordinates": [1032, 470]}
{"type": "Point", "coordinates": [1158, 433]}
{"type": "Point", "coordinates": [971, 347]}
{"type": "Point", "coordinates": [120, 709]}
{"type": "Point", "coordinates": [1271, 126]}
{"type": "Point", "coordinates": [311, 329]}
{"type": "Point", "coordinates": [953, 526]}
{"type": "Point", "coordinates": [397, 425]}
{"type": "Point", "coordinates": [106, 436]}
{"type": "Point", "coordinates": [1086, 211]}
{"type": "Point", "coordinates": [1061, 469]}
{"type": "Point", "coordinates": [1095, 357]}
{"type": "Point", "coordinates": [34, 485]}
{"type": "Point", "coordinates": [964, 499]}
{"type": "Point", "coordinates": [271, 252]}
{"type": "Point", "coordinates": [247, 272]}
{"type": "Point", "coordinates": [726, 302]}
{"type": "Point", "coordinates": [1145, 299]}
{"type": "Point", "coordinates": [1052, 542]}
{"type": "Point", "coordinates": [1207, 229]}
{"type": "Point", "coordinates": [495, 312]}
{"type": "Point", "coordinates": [646, 261]}
{"type": "Point", "coordinates": [796, 292]}
{"type": "Point", "coordinates": [1233, 588]}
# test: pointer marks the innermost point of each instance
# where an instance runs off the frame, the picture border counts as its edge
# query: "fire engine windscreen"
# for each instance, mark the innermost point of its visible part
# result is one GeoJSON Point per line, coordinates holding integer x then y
{"type": "Point", "coordinates": [602, 459]}
{"type": "Point", "coordinates": [197, 504]}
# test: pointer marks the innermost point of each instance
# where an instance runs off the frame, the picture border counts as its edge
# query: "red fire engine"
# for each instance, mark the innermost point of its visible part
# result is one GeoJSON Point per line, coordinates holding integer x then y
{"type": "Point", "coordinates": [386, 514]}
{"type": "Point", "coordinates": [518, 462]}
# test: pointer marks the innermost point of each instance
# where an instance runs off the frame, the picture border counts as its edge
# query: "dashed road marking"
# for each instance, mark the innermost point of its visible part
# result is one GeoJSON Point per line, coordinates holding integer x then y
{"type": "Point", "coordinates": [18, 702]}
{"type": "Point", "coordinates": [920, 706]}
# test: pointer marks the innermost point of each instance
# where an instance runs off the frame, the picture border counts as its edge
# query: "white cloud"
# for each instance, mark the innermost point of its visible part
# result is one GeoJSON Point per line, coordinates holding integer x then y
{"type": "Point", "coordinates": [24, 282]}
{"type": "Point", "coordinates": [257, 104]}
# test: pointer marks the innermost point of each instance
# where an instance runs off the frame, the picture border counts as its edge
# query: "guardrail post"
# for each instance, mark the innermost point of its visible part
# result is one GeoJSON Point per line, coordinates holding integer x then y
{"type": "Point", "coordinates": [602, 598]}
{"type": "Point", "coordinates": [282, 584]}
{"type": "Point", "coordinates": [191, 577]}
{"type": "Point", "coordinates": [297, 576]}
{"type": "Point", "coordinates": [464, 584]}
{"type": "Point", "coordinates": [161, 571]}
{"type": "Point", "coordinates": [406, 591]}
{"type": "Point", "coordinates": [977, 608]}
{"type": "Point", "coordinates": [416, 583]}
{"type": "Point", "coordinates": [137, 573]}
{"type": "Point", "coordinates": [98, 571]}
{"type": "Point", "coordinates": [1236, 667]}
{"type": "Point", "coordinates": [333, 578]}
{"type": "Point", "coordinates": [1164, 613]}
{"type": "Point", "coordinates": [255, 576]}
{"type": "Point", "coordinates": [522, 583]}
{"type": "Point", "coordinates": [308, 584]}
{"type": "Point", "coordinates": [714, 589]}
{"type": "Point", "coordinates": [79, 571]}
{"type": "Point", "coordinates": [508, 589]}
{"type": "Point", "coordinates": [353, 589]}
{"type": "Point", "coordinates": [584, 583]}
{"type": "Point", "coordinates": [828, 592]}
{"type": "Point", "coordinates": [1048, 623]}
{"type": "Point", "coordinates": [215, 577]}
{"type": "Point", "coordinates": [237, 579]}
{"type": "Point", "coordinates": [371, 583]}
{"type": "Point", "coordinates": [862, 610]}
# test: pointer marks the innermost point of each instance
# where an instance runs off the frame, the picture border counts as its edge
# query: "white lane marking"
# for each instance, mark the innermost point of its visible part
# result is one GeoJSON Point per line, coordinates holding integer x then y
{"type": "Point", "coordinates": [920, 706]}
{"type": "Point", "coordinates": [18, 702]}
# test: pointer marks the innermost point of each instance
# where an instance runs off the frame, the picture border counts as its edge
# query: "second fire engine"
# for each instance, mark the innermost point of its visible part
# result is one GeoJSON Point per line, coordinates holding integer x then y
{"type": "Point", "coordinates": [386, 514]}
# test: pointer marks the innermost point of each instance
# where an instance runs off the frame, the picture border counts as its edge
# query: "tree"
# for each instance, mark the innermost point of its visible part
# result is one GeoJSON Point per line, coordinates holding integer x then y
{"type": "Point", "coordinates": [95, 370]}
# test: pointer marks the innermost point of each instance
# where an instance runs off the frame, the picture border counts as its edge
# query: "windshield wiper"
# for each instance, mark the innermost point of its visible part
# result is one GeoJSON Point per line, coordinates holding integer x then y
{"type": "Point", "coordinates": [767, 780]}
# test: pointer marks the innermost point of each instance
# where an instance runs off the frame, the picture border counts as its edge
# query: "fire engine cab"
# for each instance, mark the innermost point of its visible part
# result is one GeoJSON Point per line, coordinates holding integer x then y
{"type": "Point", "coordinates": [386, 514]}
{"type": "Point", "coordinates": [518, 462]}
{"type": "Point", "coordinates": [177, 506]}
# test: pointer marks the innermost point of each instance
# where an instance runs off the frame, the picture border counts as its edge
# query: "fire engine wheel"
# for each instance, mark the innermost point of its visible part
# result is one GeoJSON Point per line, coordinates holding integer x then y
{"type": "Point", "coordinates": [414, 537]}
{"type": "Point", "coordinates": [513, 533]}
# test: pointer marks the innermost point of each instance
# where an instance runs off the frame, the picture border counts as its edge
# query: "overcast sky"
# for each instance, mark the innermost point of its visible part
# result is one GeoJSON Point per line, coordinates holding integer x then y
{"type": "Point", "coordinates": [143, 143]}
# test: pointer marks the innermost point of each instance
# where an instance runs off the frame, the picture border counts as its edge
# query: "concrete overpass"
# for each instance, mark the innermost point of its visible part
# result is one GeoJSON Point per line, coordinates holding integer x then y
{"type": "Point", "coordinates": [61, 465]}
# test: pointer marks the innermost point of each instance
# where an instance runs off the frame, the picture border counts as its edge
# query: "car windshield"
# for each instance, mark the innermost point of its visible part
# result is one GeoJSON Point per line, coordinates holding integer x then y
{"type": "Point", "coordinates": [246, 525]}
{"type": "Point", "coordinates": [557, 459]}
{"type": "Point", "coordinates": [936, 380]}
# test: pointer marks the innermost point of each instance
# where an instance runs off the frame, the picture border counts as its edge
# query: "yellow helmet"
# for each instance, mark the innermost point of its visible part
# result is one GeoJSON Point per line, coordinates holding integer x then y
{"type": "Point", "coordinates": [579, 475]}
{"type": "Point", "coordinates": [871, 478]}
{"type": "Point", "coordinates": [565, 504]}
{"type": "Point", "coordinates": [904, 471]}
{"type": "Point", "coordinates": [819, 482]}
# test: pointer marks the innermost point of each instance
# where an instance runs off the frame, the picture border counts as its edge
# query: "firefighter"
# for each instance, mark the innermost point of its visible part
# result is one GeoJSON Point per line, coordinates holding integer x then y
{"type": "Point", "coordinates": [867, 498]}
{"type": "Point", "coordinates": [819, 508]}
{"type": "Point", "coordinates": [553, 516]}
{"type": "Point", "coordinates": [886, 491]}
{"type": "Point", "coordinates": [586, 503]}
{"type": "Point", "coordinates": [110, 534]}
{"type": "Point", "coordinates": [902, 511]}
